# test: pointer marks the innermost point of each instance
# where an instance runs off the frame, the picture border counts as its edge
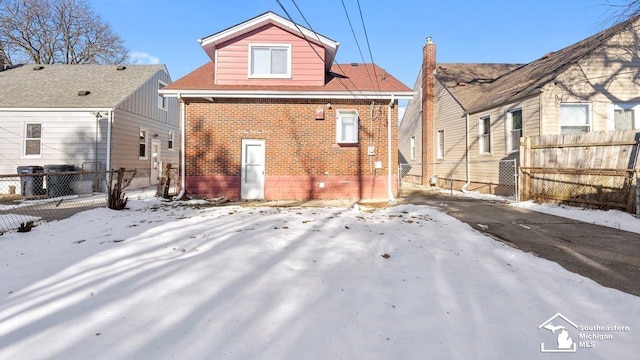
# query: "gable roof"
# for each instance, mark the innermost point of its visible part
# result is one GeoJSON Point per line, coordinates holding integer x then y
{"type": "Point", "coordinates": [57, 86]}
{"type": "Point", "coordinates": [343, 81]}
{"type": "Point", "coordinates": [485, 87]}
{"type": "Point", "coordinates": [211, 42]}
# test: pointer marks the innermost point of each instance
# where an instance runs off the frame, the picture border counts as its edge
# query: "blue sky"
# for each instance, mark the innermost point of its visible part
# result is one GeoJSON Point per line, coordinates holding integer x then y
{"type": "Point", "coordinates": [498, 31]}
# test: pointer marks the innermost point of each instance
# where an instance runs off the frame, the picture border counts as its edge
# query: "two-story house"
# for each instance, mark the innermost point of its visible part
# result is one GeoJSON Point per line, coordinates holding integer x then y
{"type": "Point", "coordinates": [272, 116]}
{"type": "Point", "coordinates": [468, 117]}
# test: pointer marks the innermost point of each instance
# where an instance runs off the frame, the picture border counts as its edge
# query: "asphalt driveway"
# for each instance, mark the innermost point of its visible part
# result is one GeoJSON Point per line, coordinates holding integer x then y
{"type": "Point", "coordinates": [606, 255]}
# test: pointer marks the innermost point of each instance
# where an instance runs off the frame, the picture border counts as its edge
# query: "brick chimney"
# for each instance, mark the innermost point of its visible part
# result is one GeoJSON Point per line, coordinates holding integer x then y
{"type": "Point", "coordinates": [428, 96]}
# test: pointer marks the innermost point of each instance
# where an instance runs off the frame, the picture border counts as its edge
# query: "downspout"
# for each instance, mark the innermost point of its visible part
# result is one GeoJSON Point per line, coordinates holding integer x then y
{"type": "Point", "coordinates": [183, 166]}
{"type": "Point", "coordinates": [466, 155]}
{"type": "Point", "coordinates": [109, 129]}
{"type": "Point", "coordinates": [392, 199]}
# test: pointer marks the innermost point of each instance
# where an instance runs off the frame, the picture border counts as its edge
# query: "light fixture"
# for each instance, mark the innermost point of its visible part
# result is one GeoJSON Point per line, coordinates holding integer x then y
{"type": "Point", "coordinates": [329, 105]}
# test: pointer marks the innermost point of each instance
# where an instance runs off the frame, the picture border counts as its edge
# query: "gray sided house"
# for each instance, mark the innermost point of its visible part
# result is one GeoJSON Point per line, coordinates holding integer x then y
{"type": "Point", "coordinates": [88, 116]}
{"type": "Point", "coordinates": [470, 116]}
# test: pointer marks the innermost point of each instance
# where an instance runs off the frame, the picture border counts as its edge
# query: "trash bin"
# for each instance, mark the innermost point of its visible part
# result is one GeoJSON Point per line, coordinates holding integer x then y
{"type": "Point", "coordinates": [30, 185]}
{"type": "Point", "coordinates": [59, 184]}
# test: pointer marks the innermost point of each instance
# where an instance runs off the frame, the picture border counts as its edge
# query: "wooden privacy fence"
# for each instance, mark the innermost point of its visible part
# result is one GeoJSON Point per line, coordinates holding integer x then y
{"type": "Point", "coordinates": [597, 169]}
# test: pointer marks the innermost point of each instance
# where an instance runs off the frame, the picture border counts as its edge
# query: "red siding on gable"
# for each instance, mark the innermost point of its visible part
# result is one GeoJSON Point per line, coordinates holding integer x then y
{"type": "Point", "coordinates": [301, 152]}
{"type": "Point", "coordinates": [232, 66]}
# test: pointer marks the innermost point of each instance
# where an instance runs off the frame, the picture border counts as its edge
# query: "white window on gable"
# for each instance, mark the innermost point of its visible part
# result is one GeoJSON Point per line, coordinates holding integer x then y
{"type": "Point", "coordinates": [347, 127]}
{"type": "Point", "coordinates": [575, 118]}
{"type": "Point", "coordinates": [142, 149]}
{"type": "Point", "coordinates": [623, 116]}
{"type": "Point", "coordinates": [33, 139]}
{"type": "Point", "coordinates": [513, 130]}
{"type": "Point", "coordinates": [269, 61]}
{"type": "Point", "coordinates": [484, 129]}
{"type": "Point", "coordinates": [162, 101]}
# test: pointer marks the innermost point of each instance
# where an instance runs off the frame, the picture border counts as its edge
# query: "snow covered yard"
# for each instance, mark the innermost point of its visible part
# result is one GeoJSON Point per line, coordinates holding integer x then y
{"type": "Point", "coordinates": [188, 281]}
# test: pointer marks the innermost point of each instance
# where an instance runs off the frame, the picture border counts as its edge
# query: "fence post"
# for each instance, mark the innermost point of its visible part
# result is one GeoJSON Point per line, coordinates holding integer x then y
{"type": "Point", "coordinates": [637, 195]}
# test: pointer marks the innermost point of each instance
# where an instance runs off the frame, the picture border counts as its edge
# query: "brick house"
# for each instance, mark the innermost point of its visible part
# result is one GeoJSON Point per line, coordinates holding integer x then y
{"type": "Point", "coordinates": [272, 117]}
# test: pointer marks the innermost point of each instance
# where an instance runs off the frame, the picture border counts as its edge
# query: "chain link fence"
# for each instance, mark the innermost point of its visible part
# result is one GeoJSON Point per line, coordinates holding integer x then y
{"type": "Point", "coordinates": [591, 188]}
{"type": "Point", "coordinates": [497, 177]}
{"type": "Point", "coordinates": [38, 194]}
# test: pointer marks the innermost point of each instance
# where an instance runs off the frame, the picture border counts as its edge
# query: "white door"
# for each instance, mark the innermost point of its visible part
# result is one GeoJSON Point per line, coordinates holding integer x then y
{"type": "Point", "coordinates": [252, 178]}
{"type": "Point", "coordinates": [156, 164]}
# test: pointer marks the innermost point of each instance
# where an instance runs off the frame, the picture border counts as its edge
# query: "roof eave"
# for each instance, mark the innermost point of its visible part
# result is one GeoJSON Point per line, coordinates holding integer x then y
{"type": "Point", "coordinates": [276, 94]}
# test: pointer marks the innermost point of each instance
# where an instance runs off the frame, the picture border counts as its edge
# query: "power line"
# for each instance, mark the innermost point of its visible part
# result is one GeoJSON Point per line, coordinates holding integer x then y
{"type": "Point", "coordinates": [314, 50]}
{"type": "Point", "coordinates": [368, 45]}
{"type": "Point", "coordinates": [357, 43]}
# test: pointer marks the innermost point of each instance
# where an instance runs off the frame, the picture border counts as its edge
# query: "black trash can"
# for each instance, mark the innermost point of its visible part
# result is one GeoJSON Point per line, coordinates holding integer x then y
{"type": "Point", "coordinates": [31, 185]}
{"type": "Point", "coordinates": [59, 184]}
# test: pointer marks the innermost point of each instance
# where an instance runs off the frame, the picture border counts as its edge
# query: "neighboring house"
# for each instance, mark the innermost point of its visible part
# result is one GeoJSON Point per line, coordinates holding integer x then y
{"type": "Point", "coordinates": [473, 115]}
{"type": "Point", "coordinates": [272, 117]}
{"type": "Point", "coordinates": [89, 116]}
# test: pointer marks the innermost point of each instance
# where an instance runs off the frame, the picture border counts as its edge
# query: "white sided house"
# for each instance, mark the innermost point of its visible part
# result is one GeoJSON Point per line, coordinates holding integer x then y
{"type": "Point", "coordinates": [91, 117]}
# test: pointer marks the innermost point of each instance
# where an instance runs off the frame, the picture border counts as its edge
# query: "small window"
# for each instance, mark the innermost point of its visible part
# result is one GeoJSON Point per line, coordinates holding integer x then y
{"type": "Point", "coordinates": [142, 152]}
{"type": "Point", "coordinates": [170, 140]}
{"type": "Point", "coordinates": [162, 101]}
{"type": "Point", "coordinates": [440, 144]}
{"type": "Point", "coordinates": [413, 148]}
{"type": "Point", "coordinates": [514, 130]}
{"type": "Point", "coordinates": [574, 118]}
{"type": "Point", "coordinates": [347, 127]}
{"type": "Point", "coordinates": [624, 119]}
{"type": "Point", "coordinates": [32, 139]}
{"type": "Point", "coordinates": [270, 61]}
{"type": "Point", "coordinates": [484, 128]}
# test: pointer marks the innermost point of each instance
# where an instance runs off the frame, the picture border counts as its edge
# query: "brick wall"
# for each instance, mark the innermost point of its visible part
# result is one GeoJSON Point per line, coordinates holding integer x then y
{"type": "Point", "coordinates": [301, 152]}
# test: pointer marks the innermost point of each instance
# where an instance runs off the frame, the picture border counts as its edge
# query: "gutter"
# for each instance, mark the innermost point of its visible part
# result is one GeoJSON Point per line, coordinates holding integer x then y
{"type": "Point", "coordinates": [300, 94]}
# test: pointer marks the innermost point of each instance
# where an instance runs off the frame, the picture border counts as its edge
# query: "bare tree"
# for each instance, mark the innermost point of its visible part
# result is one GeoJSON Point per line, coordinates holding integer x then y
{"type": "Point", "coordinates": [624, 9]}
{"type": "Point", "coordinates": [57, 32]}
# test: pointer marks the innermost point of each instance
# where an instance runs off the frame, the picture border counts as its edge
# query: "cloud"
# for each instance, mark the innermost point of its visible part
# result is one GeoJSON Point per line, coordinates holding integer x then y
{"type": "Point", "coordinates": [140, 57]}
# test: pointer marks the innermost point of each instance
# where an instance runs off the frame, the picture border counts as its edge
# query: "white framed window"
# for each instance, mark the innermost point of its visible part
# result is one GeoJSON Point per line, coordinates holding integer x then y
{"type": "Point", "coordinates": [440, 141]}
{"type": "Point", "coordinates": [484, 141]}
{"type": "Point", "coordinates": [32, 139]}
{"type": "Point", "coordinates": [624, 116]}
{"type": "Point", "coordinates": [170, 140]}
{"type": "Point", "coordinates": [269, 61]}
{"type": "Point", "coordinates": [143, 144]}
{"type": "Point", "coordinates": [346, 127]}
{"type": "Point", "coordinates": [162, 101]}
{"type": "Point", "coordinates": [413, 148]}
{"type": "Point", "coordinates": [575, 118]}
{"type": "Point", "coordinates": [513, 131]}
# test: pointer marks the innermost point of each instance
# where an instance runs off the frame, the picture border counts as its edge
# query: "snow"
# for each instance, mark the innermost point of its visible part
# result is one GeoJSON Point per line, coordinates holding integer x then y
{"type": "Point", "coordinates": [612, 218]}
{"type": "Point", "coordinates": [187, 280]}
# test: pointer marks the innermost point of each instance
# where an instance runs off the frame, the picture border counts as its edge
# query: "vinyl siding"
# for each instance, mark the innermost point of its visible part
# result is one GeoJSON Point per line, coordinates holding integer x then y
{"type": "Point", "coordinates": [68, 138]}
{"type": "Point", "coordinates": [608, 75]}
{"type": "Point", "coordinates": [125, 141]}
{"type": "Point", "coordinates": [232, 59]}
{"type": "Point", "coordinates": [450, 117]}
{"type": "Point", "coordinates": [144, 101]}
{"type": "Point", "coordinates": [411, 126]}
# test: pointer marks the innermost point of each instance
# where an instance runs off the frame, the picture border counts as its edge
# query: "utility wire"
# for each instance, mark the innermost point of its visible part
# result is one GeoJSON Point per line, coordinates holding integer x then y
{"type": "Point", "coordinates": [314, 50]}
{"type": "Point", "coordinates": [358, 44]}
{"type": "Point", "coordinates": [368, 45]}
